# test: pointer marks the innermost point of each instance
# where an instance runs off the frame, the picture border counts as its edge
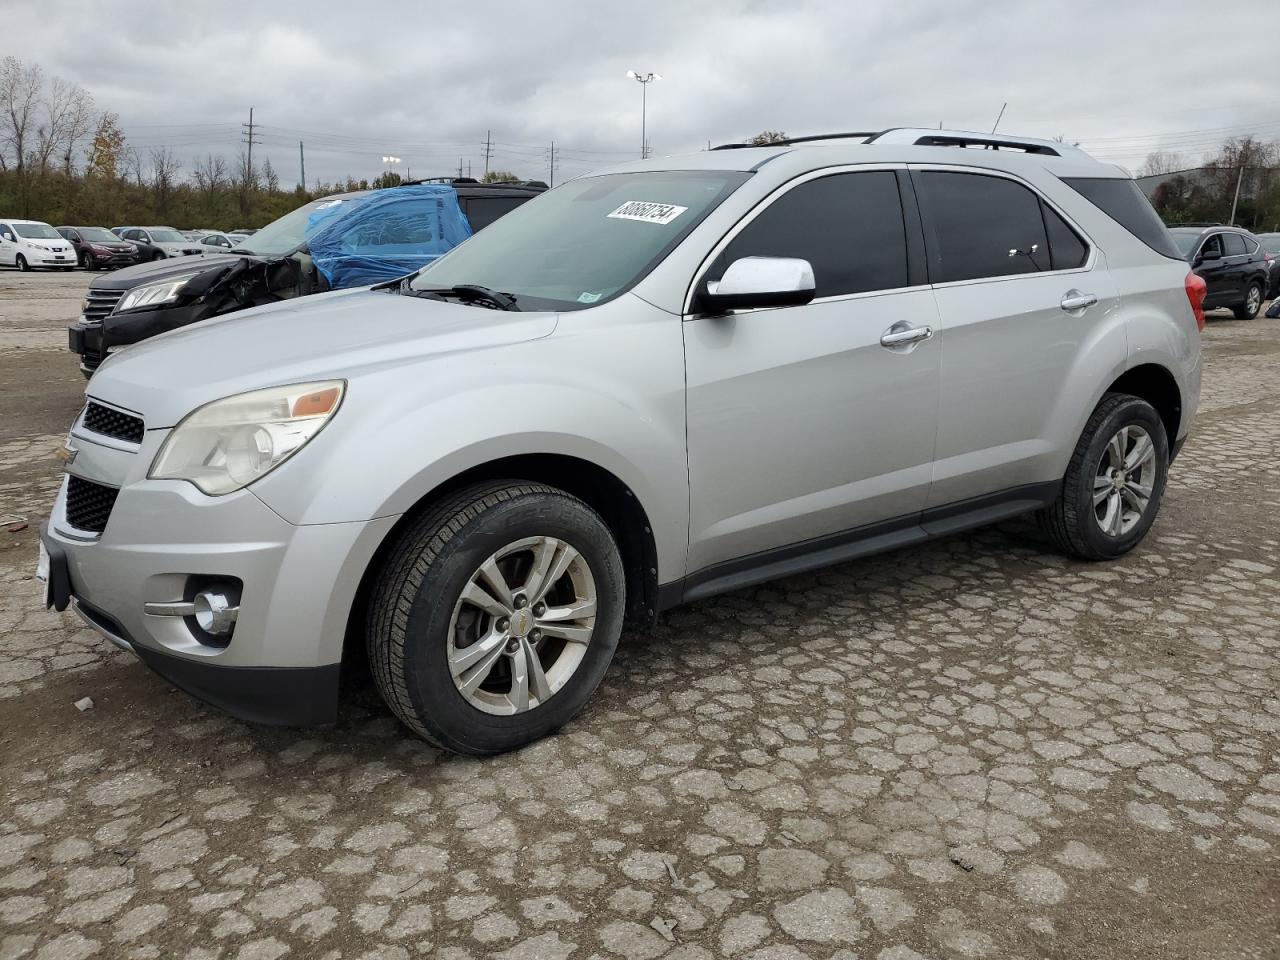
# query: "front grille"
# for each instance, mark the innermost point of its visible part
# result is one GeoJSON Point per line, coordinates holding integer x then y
{"type": "Point", "coordinates": [89, 504]}
{"type": "Point", "coordinates": [113, 423]}
{"type": "Point", "coordinates": [99, 303]}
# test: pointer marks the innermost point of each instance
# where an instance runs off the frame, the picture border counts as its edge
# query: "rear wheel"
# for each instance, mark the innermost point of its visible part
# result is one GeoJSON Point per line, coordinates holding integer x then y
{"type": "Point", "coordinates": [495, 616]}
{"type": "Point", "coordinates": [1252, 302]}
{"type": "Point", "coordinates": [1114, 482]}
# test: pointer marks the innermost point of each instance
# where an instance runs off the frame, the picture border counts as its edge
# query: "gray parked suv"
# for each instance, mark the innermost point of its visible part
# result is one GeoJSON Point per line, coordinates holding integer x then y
{"type": "Point", "coordinates": [645, 387]}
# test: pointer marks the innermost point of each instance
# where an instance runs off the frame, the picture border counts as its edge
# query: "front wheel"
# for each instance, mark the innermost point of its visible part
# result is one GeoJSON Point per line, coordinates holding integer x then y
{"type": "Point", "coordinates": [1114, 483]}
{"type": "Point", "coordinates": [21, 263]}
{"type": "Point", "coordinates": [495, 615]}
{"type": "Point", "coordinates": [1252, 303]}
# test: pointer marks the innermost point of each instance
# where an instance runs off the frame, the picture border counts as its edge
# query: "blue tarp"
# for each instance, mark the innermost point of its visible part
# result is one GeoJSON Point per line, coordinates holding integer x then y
{"type": "Point", "coordinates": [385, 234]}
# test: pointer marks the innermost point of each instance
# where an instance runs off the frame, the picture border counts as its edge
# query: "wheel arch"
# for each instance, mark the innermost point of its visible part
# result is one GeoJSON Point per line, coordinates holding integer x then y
{"type": "Point", "coordinates": [1157, 386]}
{"type": "Point", "coordinates": [596, 486]}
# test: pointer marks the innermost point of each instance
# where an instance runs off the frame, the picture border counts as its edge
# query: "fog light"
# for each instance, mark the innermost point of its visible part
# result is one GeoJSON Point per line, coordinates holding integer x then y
{"type": "Point", "coordinates": [214, 612]}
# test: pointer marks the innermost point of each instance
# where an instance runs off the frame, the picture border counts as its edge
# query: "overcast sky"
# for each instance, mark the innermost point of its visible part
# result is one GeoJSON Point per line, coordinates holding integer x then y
{"type": "Point", "coordinates": [359, 80]}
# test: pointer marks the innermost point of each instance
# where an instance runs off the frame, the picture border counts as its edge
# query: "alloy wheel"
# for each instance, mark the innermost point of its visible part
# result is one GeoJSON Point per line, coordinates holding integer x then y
{"type": "Point", "coordinates": [1253, 301]}
{"type": "Point", "coordinates": [521, 626]}
{"type": "Point", "coordinates": [1124, 481]}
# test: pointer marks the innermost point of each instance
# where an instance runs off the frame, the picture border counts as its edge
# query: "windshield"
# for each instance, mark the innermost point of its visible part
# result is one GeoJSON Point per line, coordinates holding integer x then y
{"type": "Point", "coordinates": [167, 236]}
{"type": "Point", "coordinates": [1270, 244]}
{"type": "Point", "coordinates": [586, 241]}
{"type": "Point", "coordinates": [37, 231]}
{"type": "Point", "coordinates": [285, 235]}
{"type": "Point", "coordinates": [98, 235]}
{"type": "Point", "coordinates": [1186, 241]}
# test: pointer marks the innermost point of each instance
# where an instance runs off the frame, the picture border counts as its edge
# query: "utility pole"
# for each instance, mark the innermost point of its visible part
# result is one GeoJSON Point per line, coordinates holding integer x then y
{"type": "Point", "coordinates": [551, 162]}
{"type": "Point", "coordinates": [302, 164]}
{"type": "Point", "coordinates": [459, 168]}
{"type": "Point", "coordinates": [644, 79]}
{"type": "Point", "coordinates": [250, 139]}
{"type": "Point", "coordinates": [1236, 198]}
{"type": "Point", "coordinates": [488, 150]}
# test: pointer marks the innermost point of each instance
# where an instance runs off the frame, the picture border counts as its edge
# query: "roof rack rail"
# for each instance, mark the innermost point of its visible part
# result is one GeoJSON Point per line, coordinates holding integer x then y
{"type": "Point", "coordinates": [926, 137]}
{"type": "Point", "coordinates": [787, 141]}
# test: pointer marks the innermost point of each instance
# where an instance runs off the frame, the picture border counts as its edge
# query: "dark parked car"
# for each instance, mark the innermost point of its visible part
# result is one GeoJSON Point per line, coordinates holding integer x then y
{"type": "Point", "coordinates": [98, 248]}
{"type": "Point", "coordinates": [1231, 263]}
{"type": "Point", "coordinates": [1271, 252]}
{"type": "Point", "coordinates": [346, 240]}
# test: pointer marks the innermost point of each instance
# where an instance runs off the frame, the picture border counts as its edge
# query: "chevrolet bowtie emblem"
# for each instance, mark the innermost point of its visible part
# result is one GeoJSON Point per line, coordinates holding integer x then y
{"type": "Point", "coordinates": [66, 453]}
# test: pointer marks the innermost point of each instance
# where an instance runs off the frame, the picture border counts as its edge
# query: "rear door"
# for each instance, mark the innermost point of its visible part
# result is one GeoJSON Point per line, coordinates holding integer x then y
{"type": "Point", "coordinates": [801, 424]}
{"type": "Point", "coordinates": [1019, 291]}
{"type": "Point", "coordinates": [1240, 269]}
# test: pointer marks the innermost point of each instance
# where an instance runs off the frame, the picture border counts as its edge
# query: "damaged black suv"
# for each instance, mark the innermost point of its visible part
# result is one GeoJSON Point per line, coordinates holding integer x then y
{"type": "Point", "coordinates": [336, 242]}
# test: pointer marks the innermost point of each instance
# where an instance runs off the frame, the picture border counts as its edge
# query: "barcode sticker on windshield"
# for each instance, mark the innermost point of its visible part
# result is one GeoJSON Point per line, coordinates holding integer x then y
{"type": "Point", "coordinates": [648, 212]}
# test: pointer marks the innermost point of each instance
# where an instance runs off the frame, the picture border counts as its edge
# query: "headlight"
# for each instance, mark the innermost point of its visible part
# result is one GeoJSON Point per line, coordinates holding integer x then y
{"type": "Point", "coordinates": [228, 444]}
{"type": "Point", "coordinates": [153, 294]}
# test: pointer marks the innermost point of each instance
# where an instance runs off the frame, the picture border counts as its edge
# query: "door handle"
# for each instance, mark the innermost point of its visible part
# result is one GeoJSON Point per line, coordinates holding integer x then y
{"type": "Point", "coordinates": [895, 337]}
{"type": "Point", "coordinates": [1075, 300]}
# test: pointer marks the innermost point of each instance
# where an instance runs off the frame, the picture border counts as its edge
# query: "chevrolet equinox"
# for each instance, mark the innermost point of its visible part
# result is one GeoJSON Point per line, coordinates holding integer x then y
{"type": "Point", "coordinates": [644, 387]}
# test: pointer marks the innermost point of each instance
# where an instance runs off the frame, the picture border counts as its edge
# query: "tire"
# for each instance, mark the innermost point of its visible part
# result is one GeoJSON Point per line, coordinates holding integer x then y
{"type": "Point", "coordinates": [21, 264]}
{"type": "Point", "coordinates": [158, 255]}
{"type": "Point", "coordinates": [418, 618]}
{"type": "Point", "coordinates": [1073, 523]}
{"type": "Point", "coordinates": [90, 263]}
{"type": "Point", "coordinates": [1252, 302]}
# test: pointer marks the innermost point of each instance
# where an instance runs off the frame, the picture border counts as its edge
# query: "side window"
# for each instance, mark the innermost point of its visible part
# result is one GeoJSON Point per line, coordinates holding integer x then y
{"type": "Point", "coordinates": [983, 226]}
{"type": "Point", "coordinates": [482, 211]}
{"type": "Point", "coordinates": [1234, 244]}
{"type": "Point", "coordinates": [1066, 250]}
{"type": "Point", "coordinates": [1213, 245]}
{"type": "Point", "coordinates": [133, 234]}
{"type": "Point", "coordinates": [1251, 246]}
{"type": "Point", "coordinates": [848, 226]}
{"type": "Point", "coordinates": [5, 228]}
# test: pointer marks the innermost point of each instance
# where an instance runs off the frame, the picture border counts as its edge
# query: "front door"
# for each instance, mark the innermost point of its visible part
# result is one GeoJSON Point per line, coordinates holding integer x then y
{"type": "Point", "coordinates": [1020, 293]}
{"type": "Point", "coordinates": [801, 424]}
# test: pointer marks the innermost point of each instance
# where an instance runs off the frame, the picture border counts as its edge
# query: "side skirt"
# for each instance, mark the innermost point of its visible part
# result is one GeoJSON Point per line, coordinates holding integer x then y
{"type": "Point", "coordinates": [862, 541]}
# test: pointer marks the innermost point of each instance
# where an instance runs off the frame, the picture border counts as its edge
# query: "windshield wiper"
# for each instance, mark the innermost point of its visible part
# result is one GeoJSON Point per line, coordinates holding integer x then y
{"type": "Point", "coordinates": [466, 292]}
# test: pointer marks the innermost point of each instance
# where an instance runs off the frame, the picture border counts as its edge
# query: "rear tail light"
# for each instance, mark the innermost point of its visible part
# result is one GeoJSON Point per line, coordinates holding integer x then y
{"type": "Point", "coordinates": [1195, 287]}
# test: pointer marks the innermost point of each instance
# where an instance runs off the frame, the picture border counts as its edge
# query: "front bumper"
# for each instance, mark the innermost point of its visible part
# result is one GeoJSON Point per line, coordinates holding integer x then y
{"type": "Point", "coordinates": [51, 260]}
{"type": "Point", "coordinates": [299, 583]}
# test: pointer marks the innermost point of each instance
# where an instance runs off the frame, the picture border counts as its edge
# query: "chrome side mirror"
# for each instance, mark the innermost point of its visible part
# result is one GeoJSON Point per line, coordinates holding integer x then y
{"type": "Point", "coordinates": [761, 282]}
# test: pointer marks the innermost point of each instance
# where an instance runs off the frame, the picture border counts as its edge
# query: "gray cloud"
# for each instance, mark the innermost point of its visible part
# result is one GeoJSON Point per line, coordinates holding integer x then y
{"type": "Point", "coordinates": [355, 81]}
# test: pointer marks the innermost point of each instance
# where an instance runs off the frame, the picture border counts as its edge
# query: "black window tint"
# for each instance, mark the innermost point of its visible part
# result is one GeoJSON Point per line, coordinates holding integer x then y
{"type": "Point", "coordinates": [982, 227]}
{"type": "Point", "coordinates": [1066, 250]}
{"type": "Point", "coordinates": [848, 226]}
{"type": "Point", "coordinates": [1234, 244]}
{"type": "Point", "coordinates": [1250, 245]}
{"type": "Point", "coordinates": [1127, 205]}
{"type": "Point", "coordinates": [1213, 244]}
{"type": "Point", "coordinates": [482, 211]}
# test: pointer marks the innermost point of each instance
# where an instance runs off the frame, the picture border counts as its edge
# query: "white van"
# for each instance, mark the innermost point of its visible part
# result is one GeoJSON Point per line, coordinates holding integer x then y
{"type": "Point", "coordinates": [27, 244]}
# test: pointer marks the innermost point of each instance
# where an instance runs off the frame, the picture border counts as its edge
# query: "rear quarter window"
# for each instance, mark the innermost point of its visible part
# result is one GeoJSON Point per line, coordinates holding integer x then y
{"type": "Point", "coordinates": [1128, 206]}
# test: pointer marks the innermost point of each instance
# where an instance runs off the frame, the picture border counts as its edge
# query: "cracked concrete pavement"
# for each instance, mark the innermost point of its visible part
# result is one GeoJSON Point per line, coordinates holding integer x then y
{"type": "Point", "coordinates": [971, 749]}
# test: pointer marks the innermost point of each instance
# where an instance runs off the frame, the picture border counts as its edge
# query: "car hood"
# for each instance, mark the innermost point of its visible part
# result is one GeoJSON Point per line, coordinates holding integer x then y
{"type": "Point", "coordinates": [156, 270]}
{"type": "Point", "coordinates": [328, 336]}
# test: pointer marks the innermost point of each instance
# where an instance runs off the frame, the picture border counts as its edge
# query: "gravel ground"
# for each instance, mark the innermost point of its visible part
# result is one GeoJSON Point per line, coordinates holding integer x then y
{"type": "Point", "coordinates": [971, 749]}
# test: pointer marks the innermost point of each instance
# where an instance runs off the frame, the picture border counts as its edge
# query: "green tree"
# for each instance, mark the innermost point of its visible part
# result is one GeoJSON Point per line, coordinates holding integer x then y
{"type": "Point", "coordinates": [500, 176]}
{"type": "Point", "coordinates": [767, 136]}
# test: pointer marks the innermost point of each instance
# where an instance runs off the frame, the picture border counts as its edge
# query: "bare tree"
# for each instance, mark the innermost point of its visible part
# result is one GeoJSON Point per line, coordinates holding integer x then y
{"type": "Point", "coordinates": [210, 175]}
{"type": "Point", "coordinates": [131, 164]}
{"type": "Point", "coordinates": [270, 179]}
{"type": "Point", "coordinates": [1162, 162]}
{"type": "Point", "coordinates": [164, 176]}
{"type": "Point", "coordinates": [767, 136]}
{"type": "Point", "coordinates": [20, 86]}
{"type": "Point", "coordinates": [66, 119]}
{"type": "Point", "coordinates": [245, 181]}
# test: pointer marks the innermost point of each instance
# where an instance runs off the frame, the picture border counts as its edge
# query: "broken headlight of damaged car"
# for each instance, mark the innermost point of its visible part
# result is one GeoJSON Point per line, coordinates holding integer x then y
{"type": "Point", "coordinates": [155, 294]}
{"type": "Point", "coordinates": [226, 445]}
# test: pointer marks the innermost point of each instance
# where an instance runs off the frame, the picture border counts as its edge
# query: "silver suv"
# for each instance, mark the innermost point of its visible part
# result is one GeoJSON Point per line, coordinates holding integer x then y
{"type": "Point", "coordinates": [642, 388]}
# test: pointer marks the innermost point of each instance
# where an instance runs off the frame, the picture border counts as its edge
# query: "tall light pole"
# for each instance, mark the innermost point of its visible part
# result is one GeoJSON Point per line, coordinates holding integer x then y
{"type": "Point", "coordinates": [390, 163]}
{"type": "Point", "coordinates": [644, 79]}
